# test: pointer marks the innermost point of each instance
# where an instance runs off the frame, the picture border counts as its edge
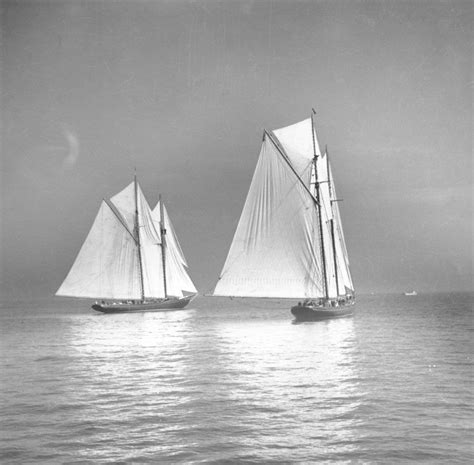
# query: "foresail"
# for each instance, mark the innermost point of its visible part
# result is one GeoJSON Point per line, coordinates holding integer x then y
{"type": "Point", "coordinates": [345, 282]}
{"type": "Point", "coordinates": [106, 266]}
{"type": "Point", "coordinates": [177, 278]}
{"type": "Point", "coordinates": [274, 252]}
{"type": "Point", "coordinates": [150, 241]}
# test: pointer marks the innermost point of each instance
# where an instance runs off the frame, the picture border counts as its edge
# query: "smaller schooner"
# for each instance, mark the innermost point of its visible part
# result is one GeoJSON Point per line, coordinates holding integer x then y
{"type": "Point", "coordinates": [289, 241]}
{"type": "Point", "coordinates": [131, 260]}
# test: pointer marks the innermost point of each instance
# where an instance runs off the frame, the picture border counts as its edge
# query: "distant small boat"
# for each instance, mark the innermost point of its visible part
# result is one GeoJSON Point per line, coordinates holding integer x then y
{"type": "Point", "coordinates": [131, 259]}
{"type": "Point", "coordinates": [411, 293]}
{"type": "Point", "coordinates": [289, 241]}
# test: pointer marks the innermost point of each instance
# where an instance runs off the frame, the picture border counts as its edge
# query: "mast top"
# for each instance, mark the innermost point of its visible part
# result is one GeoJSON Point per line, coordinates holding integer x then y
{"type": "Point", "coordinates": [315, 156]}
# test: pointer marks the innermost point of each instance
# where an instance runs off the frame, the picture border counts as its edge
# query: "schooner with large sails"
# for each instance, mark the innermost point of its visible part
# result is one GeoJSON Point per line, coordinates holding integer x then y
{"type": "Point", "coordinates": [289, 242]}
{"type": "Point", "coordinates": [131, 260]}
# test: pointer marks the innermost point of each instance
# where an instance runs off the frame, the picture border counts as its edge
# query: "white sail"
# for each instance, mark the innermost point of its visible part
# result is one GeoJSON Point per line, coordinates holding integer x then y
{"type": "Point", "coordinates": [124, 202]}
{"type": "Point", "coordinates": [107, 265]}
{"type": "Point", "coordinates": [324, 196]}
{"type": "Point", "coordinates": [177, 278]}
{"type": "Point", "coordinates": [300, 143]}
{"type": "Point", "coordinates": [344, 274]}
{"type": "Point", "coordinates": [150, 240]}
{"type": "Point", "coordinates": [275, 252]}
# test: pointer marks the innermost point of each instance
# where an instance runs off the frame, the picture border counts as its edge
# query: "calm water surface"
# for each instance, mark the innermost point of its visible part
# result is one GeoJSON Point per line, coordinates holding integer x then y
{"type": "Point", "coordinates": [237, 381]}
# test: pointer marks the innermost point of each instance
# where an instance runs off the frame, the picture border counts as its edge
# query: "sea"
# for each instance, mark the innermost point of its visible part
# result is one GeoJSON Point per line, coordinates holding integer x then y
{"type": "Point", "coordinates": [238, 381]}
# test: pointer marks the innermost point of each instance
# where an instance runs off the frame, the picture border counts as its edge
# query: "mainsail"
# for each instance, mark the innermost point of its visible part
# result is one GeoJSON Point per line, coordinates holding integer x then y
{"type": "Point", "coordinates": [107, 264]}
{"type": "Point", "coordinates": [288, 242]}
{"type": "Point", "coordinates": [122, 256]}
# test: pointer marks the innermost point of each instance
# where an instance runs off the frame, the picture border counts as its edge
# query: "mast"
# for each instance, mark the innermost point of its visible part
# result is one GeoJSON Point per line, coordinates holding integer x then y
{"type": "Point", "coordinates": [333, 240]}
{"type": "Point", "coordinates": [139, 249]}
{"type": "Point", "coordinates": [334, 255]}
{"type": "Point", "coordinates": [315, 159]}
{"type": "Point", "coordinates": [163, 244]}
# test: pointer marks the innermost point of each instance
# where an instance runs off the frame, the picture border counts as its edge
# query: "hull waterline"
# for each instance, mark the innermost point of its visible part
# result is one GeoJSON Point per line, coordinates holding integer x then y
{"type": "Point", "coordinates": [154, 306]}
{"type": "Point", "coordinates": [310, 313]}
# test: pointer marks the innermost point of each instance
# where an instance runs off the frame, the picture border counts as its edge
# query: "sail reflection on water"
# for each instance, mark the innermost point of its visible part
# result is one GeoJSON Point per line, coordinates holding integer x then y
{"type": "Point", "coordinates": [143, 358]}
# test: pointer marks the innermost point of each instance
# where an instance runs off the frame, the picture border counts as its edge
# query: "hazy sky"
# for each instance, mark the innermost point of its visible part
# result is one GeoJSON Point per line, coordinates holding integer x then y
{"type": "Point", "coordinates": [183, 90]}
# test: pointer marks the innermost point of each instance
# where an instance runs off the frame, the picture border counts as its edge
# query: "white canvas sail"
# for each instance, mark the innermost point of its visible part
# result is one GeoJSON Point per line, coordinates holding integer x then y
{"type": "Point", "coordinates": [274, 252]}
{"type": "Point", "coordinates": [107, 265]}
{"type": "Point", "coordinates": [177, 278]}
{"type": "Point", "coordinates": [300, 143]}
{"type": "Point", "coordinates": [150, 240]}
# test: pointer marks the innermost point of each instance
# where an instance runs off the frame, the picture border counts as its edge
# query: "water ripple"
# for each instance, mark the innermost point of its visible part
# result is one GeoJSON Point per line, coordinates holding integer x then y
{"type": "Point", "coordinates": [229, 382]}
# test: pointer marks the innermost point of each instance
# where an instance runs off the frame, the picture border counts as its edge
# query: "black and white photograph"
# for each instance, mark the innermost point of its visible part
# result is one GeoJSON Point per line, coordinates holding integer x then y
{"type": "Point", "coordinates": [236, 232]}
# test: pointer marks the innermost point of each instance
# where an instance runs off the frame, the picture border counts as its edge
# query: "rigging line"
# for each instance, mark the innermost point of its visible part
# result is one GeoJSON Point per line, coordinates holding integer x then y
{"type": "Point", "coordinates": [120, 218]}
{"type": "Point", "coordinates": [285, 157]}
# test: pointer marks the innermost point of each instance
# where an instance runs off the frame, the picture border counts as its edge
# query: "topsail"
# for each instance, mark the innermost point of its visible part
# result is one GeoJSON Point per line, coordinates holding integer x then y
{"type": "Point", "coordinates": [289, 240]}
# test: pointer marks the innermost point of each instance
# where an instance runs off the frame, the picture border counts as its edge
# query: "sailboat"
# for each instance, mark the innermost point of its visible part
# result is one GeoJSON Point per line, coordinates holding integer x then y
{"type": "Point", "coordinates": [131, 260]}
{"type": "Point", "coordinates": [289, 241]}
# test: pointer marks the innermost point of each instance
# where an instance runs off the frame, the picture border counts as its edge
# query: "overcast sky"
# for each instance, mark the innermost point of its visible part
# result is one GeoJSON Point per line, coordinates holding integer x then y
{"type": "Point", "coordinates": [183, 90]}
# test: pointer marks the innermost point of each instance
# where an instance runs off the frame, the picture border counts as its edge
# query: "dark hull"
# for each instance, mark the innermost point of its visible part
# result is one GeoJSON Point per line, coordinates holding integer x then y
{"type": "Point", "coordinates": [154, 306]}
{"type": "Point", "coordinates": [309, 313]}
